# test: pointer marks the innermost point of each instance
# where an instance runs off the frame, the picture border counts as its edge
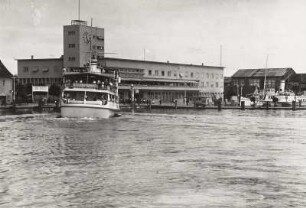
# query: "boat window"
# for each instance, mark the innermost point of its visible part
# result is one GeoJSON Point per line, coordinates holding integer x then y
{"type": "Point", "coordinates": [94, 96]}
{"type": "Point", "coordinates": [74, 95]}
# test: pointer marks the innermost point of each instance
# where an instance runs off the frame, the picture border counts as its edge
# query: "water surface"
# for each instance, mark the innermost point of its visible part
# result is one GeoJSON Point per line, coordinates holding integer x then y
{"type": "Point", "coordinates": [158, 159]}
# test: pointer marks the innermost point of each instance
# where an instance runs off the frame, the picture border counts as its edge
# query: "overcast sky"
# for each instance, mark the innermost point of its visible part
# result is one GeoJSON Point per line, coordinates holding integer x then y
{"type": "Point", "coordinates": [181, 31]}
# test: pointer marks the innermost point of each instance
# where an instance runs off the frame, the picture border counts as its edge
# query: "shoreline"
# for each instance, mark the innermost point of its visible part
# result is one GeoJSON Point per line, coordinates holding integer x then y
{"type": "Point", "coordinates": [123, 107]}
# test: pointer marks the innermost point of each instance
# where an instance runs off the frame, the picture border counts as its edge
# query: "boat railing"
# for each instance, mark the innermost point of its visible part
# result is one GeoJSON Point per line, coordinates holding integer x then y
{"type": "Point", "coordinates": [89, 102]}
{"type": "Point", "coordinates": [81, 85]}
{"type": "Point", "coordinates": [111, 88]}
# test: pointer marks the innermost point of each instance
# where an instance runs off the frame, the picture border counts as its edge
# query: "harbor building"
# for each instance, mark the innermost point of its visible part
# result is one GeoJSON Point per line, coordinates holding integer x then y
{"type": "Point", "coordinates": [40, 72]}
{"type": "Point", "coordinates": [163, 81]}
{"type": "Point", "coordinates": [246, 80]}
{"type": "Point", "coordinates": [273, 77]}
{"type": "Point", "coordinates": [6, 85]}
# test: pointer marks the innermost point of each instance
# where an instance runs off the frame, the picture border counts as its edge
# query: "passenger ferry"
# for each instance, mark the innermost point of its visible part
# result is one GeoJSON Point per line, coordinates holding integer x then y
{"type": "Point", "coordinates": [90, 92]}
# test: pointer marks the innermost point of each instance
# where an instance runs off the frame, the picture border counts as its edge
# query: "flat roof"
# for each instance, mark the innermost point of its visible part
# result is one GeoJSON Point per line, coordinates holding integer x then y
{"type": "Point", "coordinates": [159, 62]}
{"type": "Point", "coordinates": [41, 59]}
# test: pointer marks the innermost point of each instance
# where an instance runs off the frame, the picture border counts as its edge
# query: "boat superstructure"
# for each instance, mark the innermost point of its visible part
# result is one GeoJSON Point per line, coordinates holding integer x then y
{"type": "Point", "coordinates": [90, 92]}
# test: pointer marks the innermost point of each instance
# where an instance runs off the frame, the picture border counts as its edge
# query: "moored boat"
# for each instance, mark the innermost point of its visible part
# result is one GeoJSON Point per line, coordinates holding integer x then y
{"type": "Point", "coordinates": [90, 93]}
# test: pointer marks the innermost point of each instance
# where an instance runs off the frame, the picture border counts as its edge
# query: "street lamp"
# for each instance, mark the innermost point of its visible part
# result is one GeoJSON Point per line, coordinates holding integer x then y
{"type": "Point", "coordinates": [14, 89]}
{"type": "Point", "coordinates": [132, 94]}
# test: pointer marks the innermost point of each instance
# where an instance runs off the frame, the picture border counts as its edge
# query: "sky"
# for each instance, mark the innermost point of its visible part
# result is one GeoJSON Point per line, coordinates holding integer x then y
{"type": "Point", "coordinates": [236, 34]}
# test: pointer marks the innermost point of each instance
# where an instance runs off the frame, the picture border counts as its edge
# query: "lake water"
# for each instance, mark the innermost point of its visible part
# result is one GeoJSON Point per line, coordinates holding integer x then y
{"type": "Point", "coordinates": [175, 159]}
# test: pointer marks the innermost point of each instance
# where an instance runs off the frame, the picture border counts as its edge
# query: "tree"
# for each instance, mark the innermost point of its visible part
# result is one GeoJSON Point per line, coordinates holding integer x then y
{"type": "Point", "coordinates": [54, 90]}
{"type": "Point", "coordinates": [22, 92]}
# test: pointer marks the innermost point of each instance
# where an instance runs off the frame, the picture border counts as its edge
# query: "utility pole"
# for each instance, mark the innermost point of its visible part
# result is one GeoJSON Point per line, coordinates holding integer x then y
{"type": "Point", "coordinates": [220, 55]}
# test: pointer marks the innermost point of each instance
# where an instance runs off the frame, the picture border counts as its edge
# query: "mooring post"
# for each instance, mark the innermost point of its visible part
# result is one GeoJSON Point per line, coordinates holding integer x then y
{"type": "Point", "coordinates": [14, 106]}
{"type": "Point", "coordinates": [175, 103]}
{"type": "Point", "coordinates": [293, 105]}
{"type": "Point", "coordinates": [150, 104]}
{"type": "Point", "coordinates": [242, 105]}
{"type": "Point", "coordinates": [219, 105]}
{"type": "Point", "coordinates": [267, 106]}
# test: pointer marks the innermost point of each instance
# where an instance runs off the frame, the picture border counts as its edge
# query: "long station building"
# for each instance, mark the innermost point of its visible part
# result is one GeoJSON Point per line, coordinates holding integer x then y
{"type": "Point", "coordinates": [149, 79]}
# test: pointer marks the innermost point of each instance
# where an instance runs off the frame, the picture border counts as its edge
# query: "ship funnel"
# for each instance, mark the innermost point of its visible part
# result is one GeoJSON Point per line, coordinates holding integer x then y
{"type": "Point", "coordinates": [282, 86]}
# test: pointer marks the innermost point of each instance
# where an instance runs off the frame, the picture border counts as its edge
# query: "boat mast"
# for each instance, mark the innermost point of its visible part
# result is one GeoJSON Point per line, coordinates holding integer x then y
{"type": "Point", "coordinates": [264, 89]}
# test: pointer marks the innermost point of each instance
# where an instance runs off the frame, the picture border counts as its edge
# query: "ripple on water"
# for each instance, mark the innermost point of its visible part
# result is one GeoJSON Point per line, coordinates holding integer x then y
{"type": "Point", "coordinates": [159, 159]}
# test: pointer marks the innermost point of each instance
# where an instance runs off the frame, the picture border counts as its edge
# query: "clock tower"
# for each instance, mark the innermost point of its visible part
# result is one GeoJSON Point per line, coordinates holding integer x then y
{"type": "Point", "coordinates": [82, 42]}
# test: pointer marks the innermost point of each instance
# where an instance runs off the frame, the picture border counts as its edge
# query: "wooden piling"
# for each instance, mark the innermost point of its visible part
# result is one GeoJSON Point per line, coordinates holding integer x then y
{"type": "Point", "coordinates": [219, 105]}
{"type": "Point", "coordinates": [242, 105]}
{"type": "Point", "coordinates": [293, 105]}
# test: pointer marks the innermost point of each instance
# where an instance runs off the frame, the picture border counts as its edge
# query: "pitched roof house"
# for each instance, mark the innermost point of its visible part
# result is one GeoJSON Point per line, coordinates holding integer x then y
{"type": "Point", "coordinates": [6, 85]}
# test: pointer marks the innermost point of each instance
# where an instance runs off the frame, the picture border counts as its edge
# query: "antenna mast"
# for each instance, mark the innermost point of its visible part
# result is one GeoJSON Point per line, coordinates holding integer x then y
{"type": "Point", "coordinates": [79, 9]}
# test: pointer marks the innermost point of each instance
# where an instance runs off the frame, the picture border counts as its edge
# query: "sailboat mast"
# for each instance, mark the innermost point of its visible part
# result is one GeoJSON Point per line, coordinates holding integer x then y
{"type": "Point", "coordinates": [266, 73]}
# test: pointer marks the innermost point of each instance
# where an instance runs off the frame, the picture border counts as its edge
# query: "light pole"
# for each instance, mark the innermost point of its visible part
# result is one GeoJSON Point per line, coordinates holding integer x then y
{"type": "Point", "coordinates": [132, 94]}
{"type": "Point", "coordinates": [14, 89]}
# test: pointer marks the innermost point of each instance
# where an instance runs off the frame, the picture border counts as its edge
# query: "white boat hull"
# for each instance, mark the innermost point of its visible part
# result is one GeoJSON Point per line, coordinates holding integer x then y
{"type": "Point", "coordinates": [86, 111]}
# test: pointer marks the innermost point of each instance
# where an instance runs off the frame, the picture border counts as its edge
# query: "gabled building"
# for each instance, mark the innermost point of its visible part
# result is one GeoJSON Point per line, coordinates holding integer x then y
{"type": "Point", "coordinates": [6, 85]}
{"type": "Point", "coordinates": [272, 78]}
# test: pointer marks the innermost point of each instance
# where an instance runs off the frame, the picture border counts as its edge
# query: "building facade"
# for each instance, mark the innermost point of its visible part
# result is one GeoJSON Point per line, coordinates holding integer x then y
{"type": "Point", "coordinates": [81, 43]}
{"type": "Point", "coordinates": [146, 79]}
{"type": "Point", "coordinates": [166, 81]}
{"type": "Point", "coordinates": [6, 85]}
{"type": "Point", "coordinates": [268, 78]}
{"type": "Point", "coordinates": [40, 71]}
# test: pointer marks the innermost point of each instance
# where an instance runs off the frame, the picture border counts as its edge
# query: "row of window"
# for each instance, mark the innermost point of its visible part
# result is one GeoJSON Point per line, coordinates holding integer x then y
{"type": "Point", "coordinates": [186, 74]}
{"type": "Point", "coordinates": [72, 45]}
{"type": "Point", "coordinates": [72, 32]}
{"type": "Point", "coordinates": [36, 69]}
{"type": "Point", "coordinates": [270, 83]}
{"type": "Point", "coordinates": [131, 70]}
{"type": "Point", "coordinates": [211, 85]}
{"type": "Point", "coordinates": [71, 58]}
{"type": "Point", "coordinates": [40, 81]}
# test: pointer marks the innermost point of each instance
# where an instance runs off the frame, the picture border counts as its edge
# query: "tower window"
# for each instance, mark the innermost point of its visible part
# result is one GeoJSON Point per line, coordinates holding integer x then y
{"type": "Point", "coordinates": [71, 32]}
{"type": "Point", "coordinates": [25, 69]}
{"type": "Point", "coordinates": [71, 45]}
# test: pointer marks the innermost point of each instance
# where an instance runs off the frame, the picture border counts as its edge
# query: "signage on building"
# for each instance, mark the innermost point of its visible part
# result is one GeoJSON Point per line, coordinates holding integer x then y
{"type": "Point", "coordinates": [39, 88]}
